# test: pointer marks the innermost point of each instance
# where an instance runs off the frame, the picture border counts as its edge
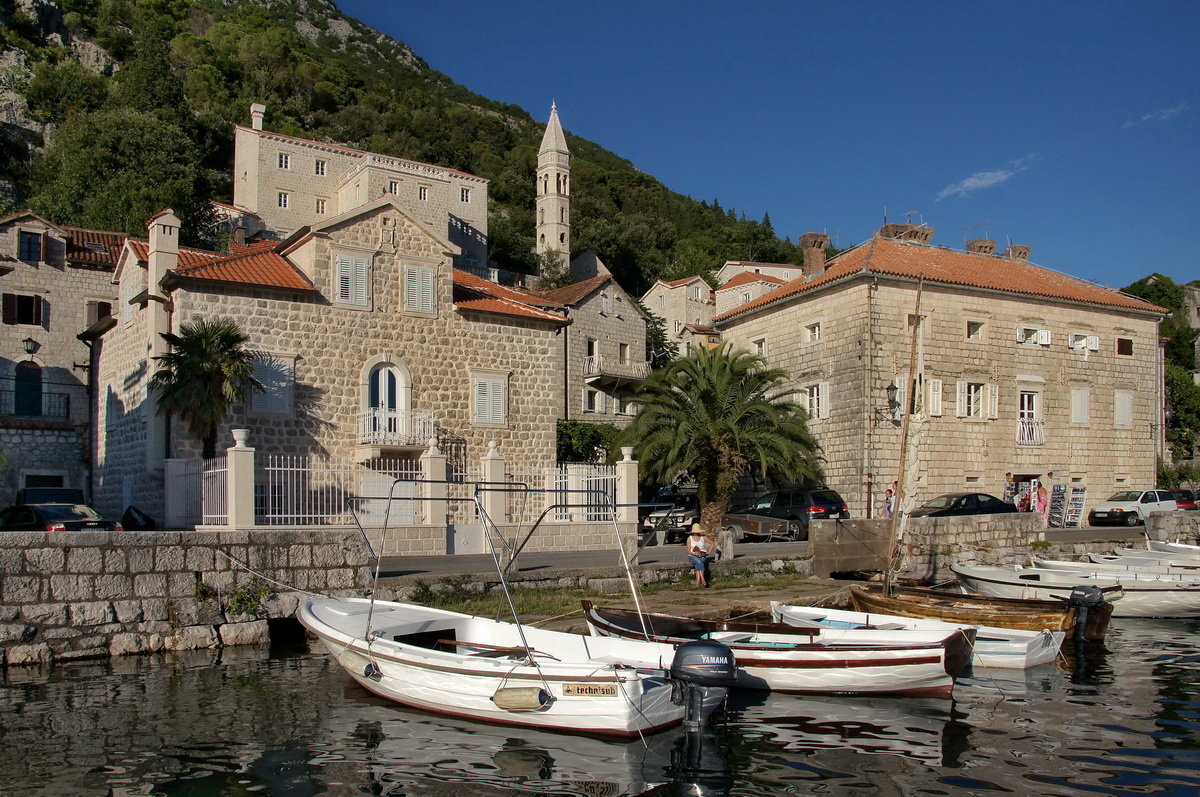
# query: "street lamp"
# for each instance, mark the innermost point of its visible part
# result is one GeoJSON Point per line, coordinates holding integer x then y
{"type": "Point", "coordinates": [30, 345]}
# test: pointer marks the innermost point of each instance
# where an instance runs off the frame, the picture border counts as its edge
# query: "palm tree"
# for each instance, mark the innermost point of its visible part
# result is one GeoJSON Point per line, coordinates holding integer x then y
{"type": "Point", "coordinates": [207, 370]}
{"type": "Point", "coordinates": [715, 415]}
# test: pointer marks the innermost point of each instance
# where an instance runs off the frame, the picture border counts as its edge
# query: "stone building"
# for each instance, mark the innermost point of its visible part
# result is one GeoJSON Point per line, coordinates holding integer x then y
{"type": "Point", "coordinates": [680, 303]}
{"type": "Point", "coordinates": [288, 182]}
{"type": "Point", "coordinates": [743, 287]}
{"type": "Point", "coordinates": [55, 282]}
{"type": "Point", "coordinates": [371, 345]}
{"type": "Point", "coordinates": [1018, 372]}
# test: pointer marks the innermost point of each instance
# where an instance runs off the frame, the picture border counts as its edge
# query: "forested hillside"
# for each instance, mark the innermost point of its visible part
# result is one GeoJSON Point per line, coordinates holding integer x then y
{"type": "Point", "coordinates": [117, 108]}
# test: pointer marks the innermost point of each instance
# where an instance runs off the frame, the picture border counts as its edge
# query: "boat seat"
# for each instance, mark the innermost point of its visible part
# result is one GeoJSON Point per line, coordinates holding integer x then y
{"type": "Point", "coordinates": [485, 650]}
{"type": "Point", "coordinates": [887, 626]}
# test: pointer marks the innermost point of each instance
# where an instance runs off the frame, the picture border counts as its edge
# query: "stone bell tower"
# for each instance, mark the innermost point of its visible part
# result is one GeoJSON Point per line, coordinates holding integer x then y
{"type": "Point", "coordinates": [554, 192]}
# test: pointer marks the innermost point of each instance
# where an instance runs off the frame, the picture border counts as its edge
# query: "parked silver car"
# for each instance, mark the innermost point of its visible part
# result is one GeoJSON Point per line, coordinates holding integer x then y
{"type": "Point", "coordinates": [1131, 507]}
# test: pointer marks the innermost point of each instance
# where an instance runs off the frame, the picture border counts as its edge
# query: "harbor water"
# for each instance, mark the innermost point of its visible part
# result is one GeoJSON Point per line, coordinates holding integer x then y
{"type": "Point", "coordinates": [1123, 718]}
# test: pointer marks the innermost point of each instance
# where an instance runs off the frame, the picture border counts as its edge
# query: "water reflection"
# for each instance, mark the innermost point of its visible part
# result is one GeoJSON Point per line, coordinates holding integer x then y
{"type": "Point", "coordinates": [1121, 720]}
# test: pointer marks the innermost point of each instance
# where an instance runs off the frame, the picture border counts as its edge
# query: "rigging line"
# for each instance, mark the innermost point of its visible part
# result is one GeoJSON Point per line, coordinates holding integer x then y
{"type": "Point", "coordinates": [276, 582]}
{"type": "Point", "coordinates": [387, 513]}
{"type": "Point", "coordinates": [557, 617]}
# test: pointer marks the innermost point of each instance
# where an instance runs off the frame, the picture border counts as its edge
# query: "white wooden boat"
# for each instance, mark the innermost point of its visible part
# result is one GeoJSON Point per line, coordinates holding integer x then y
{"type": "Point", "coordinates": [464, 666]}
{"type": "Point", "coordinates": [1139, 598]}
{"type": "Point", "coordinates": [1173, 547]}
{"type": "Point", "coordinates": [787, 659]}
{"type": "Point", "coordinates": [1169, 563]}
{"type": "Point", "coordinates": [994, 647]}
{"type": "Point", "coordinates": [1121, 568]}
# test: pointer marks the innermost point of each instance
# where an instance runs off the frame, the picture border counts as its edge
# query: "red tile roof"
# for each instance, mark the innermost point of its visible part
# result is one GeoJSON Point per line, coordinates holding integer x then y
{"type": "Point", "coordinates": [746, 277]}
{"type": "Point", "coordinates": [478, 295]}
{"type": "Point", "coordinates": [252, 265]}
{"type": "Point", "coordinates": [94, 247]}
{"type": "Point", "coordinates": [950, 267]}
{"type": "Point", "coordinates": [684, 281]}
{"type": "Point", "coordinates": [187, 255]}
{"type": "Point", "coordinates": [569, 294]}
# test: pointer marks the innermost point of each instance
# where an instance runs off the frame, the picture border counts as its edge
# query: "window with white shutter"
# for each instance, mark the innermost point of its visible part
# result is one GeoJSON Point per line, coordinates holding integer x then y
{"type": "Point", "coordinates": [491, 399]}
{"type": "Point", "coordinates": [993, 400]}
{"type": "Point", "coordinates": [1080, 405]}
{"type": "Point", "coordinates": [352, 275]}
{"type": "Point", "coordinates": [935, 396]}
{"type": "Point", "coordinates": [277, 376]}
{"type": "Point", "coordinates": [420, 283]}
{"type": "Point", "coordinates": [975, 399]}
{"type": "Point", "coordinates": [814, 399]}
{"type": "Point", "coordinates": [1123, 408]}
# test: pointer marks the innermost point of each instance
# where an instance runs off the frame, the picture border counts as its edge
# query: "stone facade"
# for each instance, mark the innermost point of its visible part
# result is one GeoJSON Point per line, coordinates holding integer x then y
{"type": "Point", "coordinates": [52, 293]}
{"type": "Point", "coordinates": [1077, 404]}
{"type": "Point", "coordinates": [92, 594]}
{"type": "Point", "coordinates": [554, 193]}
{"type": "Point", "coordinates": [288, 182]}
{"type": "Point", "coordinates": [681, 303]}
{"type": "Point", "coordinates": [327, 353]}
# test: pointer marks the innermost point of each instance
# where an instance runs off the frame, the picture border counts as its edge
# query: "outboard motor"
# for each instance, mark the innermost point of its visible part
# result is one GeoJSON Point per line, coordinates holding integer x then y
{"type": "Point", "coordinates": [701, 673]}
{"type": "Point", "coordinates": [1084, 597]}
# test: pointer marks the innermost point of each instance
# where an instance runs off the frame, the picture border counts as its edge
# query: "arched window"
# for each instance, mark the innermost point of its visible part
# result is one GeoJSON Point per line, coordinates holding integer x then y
{"type": "Point", "coordinates": [27, 393]}
{"type": "Point", "coordinates": [387, 395]}
{"type": "Point", "coordinates": [383, 387]}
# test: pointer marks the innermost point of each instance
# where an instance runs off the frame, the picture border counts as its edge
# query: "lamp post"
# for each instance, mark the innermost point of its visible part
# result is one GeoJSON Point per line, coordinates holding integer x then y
{"type": "Point", "coordinates": [30, 345]}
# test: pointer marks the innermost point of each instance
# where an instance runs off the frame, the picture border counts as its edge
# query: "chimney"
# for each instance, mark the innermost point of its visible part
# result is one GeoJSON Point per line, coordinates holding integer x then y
{"type": "Point", "coordinates": [981, 246]}
{"type": "Point", "coordinates": [918, 233]}
{"type": "Point", "coordinates": [239, 235]}
{"type": "Point", "coordinates": [257, 110]}
{"type": "Point", "coordinates": [1017, 252]}
{"type": "Point", "coordinates": [814, 244]}
{"type": "Point", "coordinates": [164, 247]}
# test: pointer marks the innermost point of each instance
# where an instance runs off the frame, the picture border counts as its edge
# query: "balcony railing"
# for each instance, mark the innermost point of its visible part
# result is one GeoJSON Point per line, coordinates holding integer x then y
{"type": "Point", "coordinates": [1031, 432]}
{"type": "Point", "coordinates": [384, 427]}
{"type": "Point", "coordinates": [35, 405]}
{"type": "Point", "coordinates": [599, 365]}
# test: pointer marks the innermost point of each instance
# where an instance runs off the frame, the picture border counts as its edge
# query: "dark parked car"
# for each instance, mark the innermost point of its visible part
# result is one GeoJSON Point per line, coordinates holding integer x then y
{"type": "Point", "coordinates": [1184, 499]}
{"type": "Point", "coordinates": [54, 517]}
{"type": "Point", "coordinates": [784, 514]}
{"type": "Point", "coordinates": [675, 519]}
{"type": "Point", "coordinates": [962, 504]}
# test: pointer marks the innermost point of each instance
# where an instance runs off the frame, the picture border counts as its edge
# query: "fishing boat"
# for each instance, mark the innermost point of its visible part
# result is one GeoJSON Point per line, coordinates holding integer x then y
{"type": "Point", "coordinates": [1139, 598]}
{"type": "Point", "coordinates": [1122, 573]}
{"type": "Point", "coordinates": [786, 659]}
{"type": "Point", "coordinates": [1096, 563]}
{"type": "Point", "coordinates": [1087, 620]}
{"type": "Point", "coordinates": [1150, 559]}
{"type": "Point", "coordinates": [1173, 547]}
{"type": "Point", "coordinates": [466, 666]}
{"type": "Point", "coordinates": [994, 647]}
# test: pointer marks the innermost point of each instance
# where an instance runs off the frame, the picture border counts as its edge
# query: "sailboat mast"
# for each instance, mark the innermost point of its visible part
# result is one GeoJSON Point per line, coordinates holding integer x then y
{"type": "Point", "coordinates": [910, 400]}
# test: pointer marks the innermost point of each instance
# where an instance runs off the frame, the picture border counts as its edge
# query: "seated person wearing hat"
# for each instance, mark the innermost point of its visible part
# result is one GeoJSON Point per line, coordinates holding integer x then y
{"type": "Point", "coordinates": [699, 548]}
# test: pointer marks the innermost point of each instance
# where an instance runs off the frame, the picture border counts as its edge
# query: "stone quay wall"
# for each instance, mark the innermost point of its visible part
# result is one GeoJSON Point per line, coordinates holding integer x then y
{"type": "Point", "coordinates": [90, 594]}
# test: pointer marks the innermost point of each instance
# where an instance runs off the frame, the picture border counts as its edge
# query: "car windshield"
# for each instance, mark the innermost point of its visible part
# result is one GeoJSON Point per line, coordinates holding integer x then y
{"type": "Point", "coordinates": [826, 497]}
{"type": "Point", "coordinates": [941, 502]}
{"type": "Point", "coordinates": [64, 512]}
{"type": "Point", "coordinates": [1126, 495]}
{"type": "Point", "coordinates": [766, 502]}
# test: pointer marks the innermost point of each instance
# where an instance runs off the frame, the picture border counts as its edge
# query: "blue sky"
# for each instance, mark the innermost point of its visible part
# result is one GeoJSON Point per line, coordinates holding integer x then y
{"type": "Point", "coordinates": [1073, 127]}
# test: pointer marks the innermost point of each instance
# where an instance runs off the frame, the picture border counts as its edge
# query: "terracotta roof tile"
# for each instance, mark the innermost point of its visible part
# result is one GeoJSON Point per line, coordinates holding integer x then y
{"type": "Point", "coordinates": [684, 281]}
{"type": "Point", "coordinates": [747, 277]}
{"type": "Point", "coordinates": [256, 265]}
{"type": "Point", "coordinates": [187, 255]}
{"type": "Point", "coordinates": [94, 247]}
{"type": "Point", "coordinates": [569, 294]}
{"type": "Point", "coordinates": [478, 295]}
{"type": "Point", "coordinates": [951, 267]}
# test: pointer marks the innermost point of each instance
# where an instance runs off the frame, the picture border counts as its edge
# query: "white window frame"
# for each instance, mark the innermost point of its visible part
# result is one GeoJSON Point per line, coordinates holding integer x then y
{"type": "Point", "coordinates": [420, 289]}
{"type": "Point", "coordinates": [320, 207]}
{"type": "Point", "coordinates": [593, 400]}
{"type": "Point", "coordinates": [393, 187]}
{"type": "Point", "coordinates": [760, 346]}
{"type": "Point", "coordinates": [812, 333]}
{"type": "Point", "coordinates": [815, 399]}
{"type": "Point", "coordinates": [319, 168]}
{"type": "Point", "coordinates": [277, 374]}
{"type": "Point", "coordinates": [489, 397]}
{"type": "Point", "coordinates": [977, 400]}
{"type": "Point", "coordinates": [423, 193]}
{"type": "Point", "coordinates": [352, 279]}
{"type": "Point", "coordinates": [284, 161]}
{"type": "Point", "coordinates": [1033, 336]}
{"type": "Point", "coordinates": [464, 195]}
{"type": "Point", "coordinates": [934, 399]}
{"type": "Point", "coordinates": [977, 334]}
{"type": "Point", "coordinates": [282, 199]}
{"type": "Point", "coordinates": [1081, 401]}
{"type": "Point", "coordinates": [1123, 409]}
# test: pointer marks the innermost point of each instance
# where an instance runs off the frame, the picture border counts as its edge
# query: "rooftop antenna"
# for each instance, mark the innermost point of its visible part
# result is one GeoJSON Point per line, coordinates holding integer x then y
{"type": "Point", "coordinates": [975, 227]}
{"type": "Point", "coordinates": [908, 216]}
{"type": "Point", "coordinates": [885, 214]}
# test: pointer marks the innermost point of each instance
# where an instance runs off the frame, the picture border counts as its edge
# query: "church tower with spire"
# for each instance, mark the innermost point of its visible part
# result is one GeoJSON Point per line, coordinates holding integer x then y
{"type": "Point", "coordinates": [554, 192]}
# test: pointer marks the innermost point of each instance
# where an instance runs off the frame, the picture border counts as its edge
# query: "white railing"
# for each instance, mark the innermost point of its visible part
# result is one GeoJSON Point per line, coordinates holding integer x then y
{"type": "Point", "coordinates": [384, 427]}
{"type": "Point", "coordinates": [460, 491]}
{"type": "Point", "coordinates": [578, 492]}
{"type": "Point", "coordinates": [1031, 432]}
{"type": "Point", "coordinates": [199, 492]}
{"type": "Point", "coordinates": [312, 491]}
{"type": "Point", "coordinates": [599, 364]}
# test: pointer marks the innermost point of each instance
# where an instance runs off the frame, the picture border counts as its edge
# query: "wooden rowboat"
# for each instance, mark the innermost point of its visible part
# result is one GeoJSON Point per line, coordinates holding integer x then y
{"type": "Point", "coordinates": [1030, 614]}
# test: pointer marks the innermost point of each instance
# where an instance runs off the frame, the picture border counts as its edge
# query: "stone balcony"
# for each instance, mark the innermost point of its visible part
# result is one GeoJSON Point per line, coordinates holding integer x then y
{"type": "Point", "coordinates": [384, 432]}
{"type": "Point", "coordinates": [607, 370]}
{"type": "Point", "coordinates": [1031, 432]}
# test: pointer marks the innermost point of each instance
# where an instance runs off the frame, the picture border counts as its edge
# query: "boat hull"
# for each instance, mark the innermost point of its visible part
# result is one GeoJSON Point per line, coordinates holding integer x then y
{"type": "Point", "coordinates": [1027, 614]}
{"type": "Point", "coordinates": [924, 670]}
{"type": "Point", "coordinates": [590, 688]}
{"type": "Point", "coordinates": [994, 647]}
{"type": "Point", "coordinates": [1139, 599]}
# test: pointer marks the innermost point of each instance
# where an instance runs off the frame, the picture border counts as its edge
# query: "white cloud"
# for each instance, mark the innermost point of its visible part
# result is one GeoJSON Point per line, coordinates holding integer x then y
{"type": "Point", "coordinates": [986, 179]}
{"type": "Point", "coordinates": [1161, 115]}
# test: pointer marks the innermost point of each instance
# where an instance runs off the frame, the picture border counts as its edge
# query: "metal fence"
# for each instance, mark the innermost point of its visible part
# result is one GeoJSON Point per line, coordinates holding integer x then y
{"type": "Point", "coordinates": [314, 491]}
{"type": "Point", "coordinates": [200, 491]}
{"type": "Point", "coordinates": [578, 492]}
